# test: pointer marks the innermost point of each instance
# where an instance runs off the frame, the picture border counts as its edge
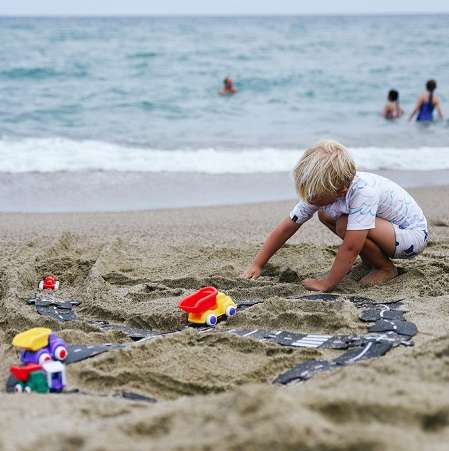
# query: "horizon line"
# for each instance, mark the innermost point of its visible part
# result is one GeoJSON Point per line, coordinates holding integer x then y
{"type": "Point", "coordinates": [222, 15]}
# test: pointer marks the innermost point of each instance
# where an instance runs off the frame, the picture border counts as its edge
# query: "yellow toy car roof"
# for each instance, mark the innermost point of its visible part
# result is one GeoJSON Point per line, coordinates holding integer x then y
{"type": "Point", "coordinates": [32, 339]}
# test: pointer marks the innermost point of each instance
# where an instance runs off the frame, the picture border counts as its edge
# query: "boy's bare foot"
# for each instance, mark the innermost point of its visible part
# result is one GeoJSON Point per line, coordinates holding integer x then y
{"type": "Point", "coordinates": [360, 270]}
{"type": "Point", "coordinates": [379, 276]}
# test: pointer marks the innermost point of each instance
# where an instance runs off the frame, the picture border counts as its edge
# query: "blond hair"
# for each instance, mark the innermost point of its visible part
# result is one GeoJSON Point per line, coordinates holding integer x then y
{"type": "Point", "coordinates": [324, 168]}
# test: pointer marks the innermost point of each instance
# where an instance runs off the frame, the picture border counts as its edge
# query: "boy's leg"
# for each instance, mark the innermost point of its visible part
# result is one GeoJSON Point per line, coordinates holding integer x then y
{"type": "Point", "coordinates": [378, 248]}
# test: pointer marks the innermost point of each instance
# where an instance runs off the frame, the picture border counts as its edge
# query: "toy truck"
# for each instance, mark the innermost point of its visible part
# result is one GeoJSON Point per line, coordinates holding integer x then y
{"type": "Point", "coordinates": [206, 305]}
{"type": "Point", "coordinates": [41, 354]}
{"type": "Point", "coordinates": [49, 283]}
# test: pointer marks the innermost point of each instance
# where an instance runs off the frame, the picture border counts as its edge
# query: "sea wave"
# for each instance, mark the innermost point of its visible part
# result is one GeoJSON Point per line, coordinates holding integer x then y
{"type": "Point", "coordinates": [33, 73]}
{"type": "Point", "coordinates": [61, 154]}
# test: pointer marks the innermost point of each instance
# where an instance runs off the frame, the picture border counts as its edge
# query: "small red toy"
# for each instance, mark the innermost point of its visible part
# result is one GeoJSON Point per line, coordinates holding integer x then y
{"type": "Point", "coordinates": [49, 283]}
{"type": "Point", "coordinates": [200, 301]}
{"type": "Point", "coordinates": [22, 372]}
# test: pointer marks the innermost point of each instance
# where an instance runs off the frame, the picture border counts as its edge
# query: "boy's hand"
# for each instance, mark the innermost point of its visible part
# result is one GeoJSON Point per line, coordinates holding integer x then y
{"type": "Point", "coordinates": [253, 272]}
{"type": "Point", "coordinates": [316, 285]}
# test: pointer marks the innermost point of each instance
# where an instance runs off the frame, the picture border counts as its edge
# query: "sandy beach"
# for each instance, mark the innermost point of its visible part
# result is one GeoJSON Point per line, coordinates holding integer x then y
{"type": "Point", "coordinates": [214, 390]}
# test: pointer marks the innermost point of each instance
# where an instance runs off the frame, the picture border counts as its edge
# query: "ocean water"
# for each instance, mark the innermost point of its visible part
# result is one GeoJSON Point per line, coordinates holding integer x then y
{"type": "Point", "coordinates": [140, 94]}
{"type": "Point", "coordinates": [124, 113]}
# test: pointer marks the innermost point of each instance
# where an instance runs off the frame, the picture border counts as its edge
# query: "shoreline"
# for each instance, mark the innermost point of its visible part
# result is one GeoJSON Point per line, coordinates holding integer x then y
{"type": "Point", "coordinates": [96, 191]}
{"type": "Point", "coordinates": [236, 225]}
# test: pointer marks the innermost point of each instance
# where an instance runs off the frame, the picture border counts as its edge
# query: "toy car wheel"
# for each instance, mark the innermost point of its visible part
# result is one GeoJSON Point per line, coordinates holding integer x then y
{"type": "Point", "coordinates": [44, 357]}
{"type": "Point", "coordinates": [27, 389]}
{"type": "Point", "coordinates": [18, 388]}
{"type": "Point", "coordinates": [61, 353]}
{"type": "Point", "coordinates": [11, 383]}
{"type": "Point", "coordinates": [230, 311]}
{"type": "Point", "coordinates": [211, 320]}
{"type": "Point", "coordinates": [41, 285]}
{"type": "Point", "coordinates": [57, 285]}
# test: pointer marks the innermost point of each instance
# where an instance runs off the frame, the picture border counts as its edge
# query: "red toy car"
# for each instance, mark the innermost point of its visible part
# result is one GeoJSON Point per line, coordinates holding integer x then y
{"type": "Point", "coordinates": [49, 283]}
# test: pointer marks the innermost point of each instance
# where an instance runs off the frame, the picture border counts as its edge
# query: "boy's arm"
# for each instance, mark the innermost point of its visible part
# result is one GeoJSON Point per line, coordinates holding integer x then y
{"type": "Point", "coordinates": [275, 240]}
{"type": "Point", "coordinates": [347, 253]}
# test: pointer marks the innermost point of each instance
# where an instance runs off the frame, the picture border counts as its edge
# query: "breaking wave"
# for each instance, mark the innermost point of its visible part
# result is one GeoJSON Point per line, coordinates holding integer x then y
{"type": "Point", "coordinates": [61, 154]}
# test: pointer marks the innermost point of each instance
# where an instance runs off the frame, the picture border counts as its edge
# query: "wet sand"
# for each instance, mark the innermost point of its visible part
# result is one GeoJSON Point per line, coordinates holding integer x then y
{"type": "Point", "coordinates": [214, 390]}
{"type": "Point", "coordinates": [91, 191]}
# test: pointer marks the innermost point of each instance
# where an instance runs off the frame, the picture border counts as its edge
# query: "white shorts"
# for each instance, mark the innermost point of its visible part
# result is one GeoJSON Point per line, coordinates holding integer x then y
{"type": "Point", "coordinates": [409, 242]}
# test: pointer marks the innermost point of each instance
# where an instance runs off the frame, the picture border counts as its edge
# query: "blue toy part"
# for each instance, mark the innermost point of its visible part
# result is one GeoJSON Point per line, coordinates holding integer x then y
{"type": "Point", "coordinates": [230, 311]}
{"type": "Point", "coordinates": [211, 319]}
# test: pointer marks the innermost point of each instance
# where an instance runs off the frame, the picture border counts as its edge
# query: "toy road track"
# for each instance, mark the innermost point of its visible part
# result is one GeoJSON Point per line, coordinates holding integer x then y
{"type": "Point", "coordinates": [387, 329]}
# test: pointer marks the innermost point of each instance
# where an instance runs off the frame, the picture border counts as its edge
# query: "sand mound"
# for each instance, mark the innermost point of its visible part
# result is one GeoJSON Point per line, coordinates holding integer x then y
{"type": "Point", "coordinates": [340, 317]}
{"type": "Point", "coordinates": [187, 363]}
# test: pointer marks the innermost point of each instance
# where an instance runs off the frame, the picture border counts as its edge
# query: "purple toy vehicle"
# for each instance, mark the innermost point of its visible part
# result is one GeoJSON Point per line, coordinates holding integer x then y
{"type": "Point", "coordinates": [41, 354]}
{"type": "Point", "coordinates": [55, 350]}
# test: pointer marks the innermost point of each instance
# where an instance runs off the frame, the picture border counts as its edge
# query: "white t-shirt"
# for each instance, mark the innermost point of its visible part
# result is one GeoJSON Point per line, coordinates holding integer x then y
{"type": "Point", "coordinates": [368, 196]}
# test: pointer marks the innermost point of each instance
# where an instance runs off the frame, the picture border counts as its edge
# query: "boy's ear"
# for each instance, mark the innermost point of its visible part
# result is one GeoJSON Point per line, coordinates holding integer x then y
{"type": "Point", "coordinates": [342, 191]}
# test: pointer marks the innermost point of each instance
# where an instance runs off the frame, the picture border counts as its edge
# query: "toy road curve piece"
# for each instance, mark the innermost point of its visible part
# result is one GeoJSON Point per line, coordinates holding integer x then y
{"type": "Point", "coordinates": [76, 353]}
{"type": "Point", "coordinates": [369, 350]}
{"type": "Point", "coordinates": [58, 309]}
{"type": "Point", "coordinates": [358, 301]}
{"type": "Point", "coordinates": [400, 327]}
{"type": "Point", "coordinates": [243, 305]}
{"type": "Point", "coordinates": [320, 297]}
{"type": "Point", "coordinates": [49, 299]}
{"type": "Point", "coordinates": [363, 302]}
{"type": "Point", "coordinates": [257, 334]}
{"type": "Point", "coordinates": [284, 338]}
{"type": "Point", "coordinates": [134, 333]}
{"type": "Point", "coordinates": [298, 340]}
{"type": "Point", "coordinates": [57, 313]}
{"type": "Point", "coordinates": [304, 371]}
{"type": "Point", "coordinates": [389, 337]}
{"type": "Point", "coordinates": [131, 396]}
{"type": "Point", "coordinates": [373, 315]}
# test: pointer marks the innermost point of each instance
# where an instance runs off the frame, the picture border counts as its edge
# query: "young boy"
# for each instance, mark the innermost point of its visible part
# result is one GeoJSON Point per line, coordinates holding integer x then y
{"type": "Point", "coordinates": [374, 216]}
{"type": "Point", "coordinates": [392, 109]}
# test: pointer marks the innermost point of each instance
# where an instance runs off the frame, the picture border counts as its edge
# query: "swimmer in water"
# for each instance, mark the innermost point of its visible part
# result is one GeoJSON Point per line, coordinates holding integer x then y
{"type": "Point", "coordinates": [426, 103]}
{"type": "Point", "coordinates": [392, 109]}
{"type": "Point", "coordinates": [228, 87]}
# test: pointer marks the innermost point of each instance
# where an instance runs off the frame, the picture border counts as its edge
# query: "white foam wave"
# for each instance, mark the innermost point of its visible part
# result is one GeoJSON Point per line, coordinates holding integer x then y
{"type": "Point", "coordinates": [60, 154]}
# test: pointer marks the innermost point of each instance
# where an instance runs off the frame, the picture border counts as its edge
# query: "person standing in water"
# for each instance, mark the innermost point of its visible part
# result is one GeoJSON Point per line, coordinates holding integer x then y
{"type": "Point", "coordinates": [228, 87]}
{"type": "Point", "coordinates": [426, 103]}
{"type": "Point", "coordinates": [392, 109]}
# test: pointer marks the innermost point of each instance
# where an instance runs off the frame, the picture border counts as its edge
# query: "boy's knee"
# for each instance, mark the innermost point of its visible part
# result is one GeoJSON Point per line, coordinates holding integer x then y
{"type": "Point", "coordinates": [340, 226]}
